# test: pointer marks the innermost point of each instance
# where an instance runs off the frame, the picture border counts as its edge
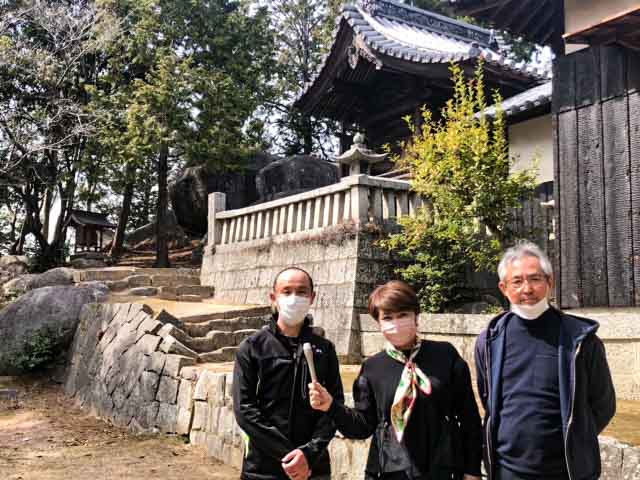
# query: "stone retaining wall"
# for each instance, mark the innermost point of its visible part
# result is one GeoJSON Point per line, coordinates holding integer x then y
{"type": "Point", "coordinates": [620, 332]}
{"type": "Point", "coordinates": [344, 262]}
{"type": "Point", "coordinates": [125, 366]}
{"type": "Point", "coordinates": [215, 428]}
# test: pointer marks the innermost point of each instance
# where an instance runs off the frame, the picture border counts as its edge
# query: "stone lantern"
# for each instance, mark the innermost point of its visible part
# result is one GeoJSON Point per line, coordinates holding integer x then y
{"type": "Point", "coordinates": [359, 158]}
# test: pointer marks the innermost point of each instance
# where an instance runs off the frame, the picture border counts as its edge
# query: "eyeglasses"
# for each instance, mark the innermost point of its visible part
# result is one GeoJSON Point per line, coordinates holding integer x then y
{"type": "Point", "coordinates": [534, 281]}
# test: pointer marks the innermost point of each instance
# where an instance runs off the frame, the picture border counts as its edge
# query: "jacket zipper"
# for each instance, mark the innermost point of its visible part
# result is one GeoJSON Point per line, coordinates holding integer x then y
{"type": "Point", "coordinates": [573, 399]}
{"type": "Point", "coordinates": [487, 429]}
{"type": "Point", "coordinates": [293, 390]}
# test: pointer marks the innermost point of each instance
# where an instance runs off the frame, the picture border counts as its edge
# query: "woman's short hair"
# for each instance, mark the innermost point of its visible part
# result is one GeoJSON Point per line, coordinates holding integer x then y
{"type": "Point", "coordinates": [394, 296]}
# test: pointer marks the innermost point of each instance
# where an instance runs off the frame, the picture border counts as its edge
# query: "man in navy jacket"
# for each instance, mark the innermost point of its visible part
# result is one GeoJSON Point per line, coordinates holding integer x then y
{"type": "Point", "coordinates": [543, 379]}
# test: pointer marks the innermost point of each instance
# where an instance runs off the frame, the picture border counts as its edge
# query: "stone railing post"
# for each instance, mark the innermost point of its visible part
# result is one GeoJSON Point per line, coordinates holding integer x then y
{"type": "Point", "coordinates": [360, 203]}
{"type": "Point", "coordinates": [217, 203]}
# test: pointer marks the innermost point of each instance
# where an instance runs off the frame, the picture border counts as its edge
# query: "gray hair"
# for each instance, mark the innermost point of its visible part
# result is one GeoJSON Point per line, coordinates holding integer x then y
{"type": "Point", "coordinates": [524, 248]}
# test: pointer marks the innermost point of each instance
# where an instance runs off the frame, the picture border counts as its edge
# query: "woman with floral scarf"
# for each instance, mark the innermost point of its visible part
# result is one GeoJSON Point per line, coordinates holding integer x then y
{"type": "Point", "coordinates": [414, 398]}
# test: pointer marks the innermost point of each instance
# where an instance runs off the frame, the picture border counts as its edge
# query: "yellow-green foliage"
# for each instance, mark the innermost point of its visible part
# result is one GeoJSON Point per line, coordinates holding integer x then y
{"type": "Point", "coordinates": [460, 165]}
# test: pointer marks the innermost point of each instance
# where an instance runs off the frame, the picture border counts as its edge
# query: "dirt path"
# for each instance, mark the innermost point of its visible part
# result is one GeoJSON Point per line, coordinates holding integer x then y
{"type": "Point", "coordinates": [47, 438]}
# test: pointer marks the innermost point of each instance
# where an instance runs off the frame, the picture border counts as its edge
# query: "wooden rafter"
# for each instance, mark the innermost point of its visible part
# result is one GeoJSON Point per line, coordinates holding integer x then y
{"type": "Point", "coordinates": [521, 25]}
{"type": "Point", "coordinates": [483, 7]}
{"type": "Point", "coordinates": [619, 26]}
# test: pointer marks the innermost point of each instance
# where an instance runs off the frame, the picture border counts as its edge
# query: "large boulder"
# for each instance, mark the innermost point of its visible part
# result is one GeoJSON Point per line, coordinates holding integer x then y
{"type": "Point", "coordinates": [7, 260]}
{"type": "Point", "coordinates": [293, 175]}
{"type": "Point", "coordinates": [50, 278]}
{"type": "Point", "coordinates": [53, 277]}
{"type": "Point", "coordinates": [51, 310]}
{"type": "Point", "coordinates": [189, 193]}
{"type": "Point", "coordinates": [144, 238]}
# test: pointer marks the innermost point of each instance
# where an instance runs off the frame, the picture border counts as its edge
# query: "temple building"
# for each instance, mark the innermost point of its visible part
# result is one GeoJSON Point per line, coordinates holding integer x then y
{"type": "Point", "coordinates": [389, 59]}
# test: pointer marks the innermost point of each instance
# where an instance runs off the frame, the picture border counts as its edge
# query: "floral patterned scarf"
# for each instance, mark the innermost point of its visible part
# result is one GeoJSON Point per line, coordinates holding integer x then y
{"type": "Point", "coordinates": [411, 380]}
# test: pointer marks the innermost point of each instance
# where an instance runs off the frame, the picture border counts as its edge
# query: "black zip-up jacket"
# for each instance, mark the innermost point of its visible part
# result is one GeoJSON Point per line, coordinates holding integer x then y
{"type": "Point", "coordinates": [421, 454]}
{"type": "Point", "coordinates": [271, 401]}
{"type": "Point", "coordinates": [587, 396]}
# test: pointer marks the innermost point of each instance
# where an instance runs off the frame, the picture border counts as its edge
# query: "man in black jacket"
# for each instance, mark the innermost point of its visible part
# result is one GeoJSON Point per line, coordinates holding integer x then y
{"type": "Point", "coordinates": [286, 437]}
{"type": "Point", "coordinates": [543, 379]}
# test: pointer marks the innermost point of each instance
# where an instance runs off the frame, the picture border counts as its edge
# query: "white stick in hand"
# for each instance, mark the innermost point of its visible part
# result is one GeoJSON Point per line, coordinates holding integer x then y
{"type": "Point", "coordinates": [308, 354]}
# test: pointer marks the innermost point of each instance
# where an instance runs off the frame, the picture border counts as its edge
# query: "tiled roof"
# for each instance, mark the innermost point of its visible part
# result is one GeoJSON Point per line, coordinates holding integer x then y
{"type": "Point", "coordinates": [525, 101]}
{"type": "Point", "coordinates": [414, 35]}
{"type": "Point", "coordinates": [84, 218]}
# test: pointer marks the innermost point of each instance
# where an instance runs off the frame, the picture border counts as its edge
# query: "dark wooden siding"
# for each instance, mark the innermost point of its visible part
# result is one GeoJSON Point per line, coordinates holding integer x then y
{"type": "Point", "coordinates": [596, 110]}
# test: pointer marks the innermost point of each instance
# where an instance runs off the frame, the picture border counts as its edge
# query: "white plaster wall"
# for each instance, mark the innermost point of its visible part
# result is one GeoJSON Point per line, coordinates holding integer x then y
{"type": "Point", "coordinates": [530, 139]}
{"type": "Point", "coordinates": [580, 14]}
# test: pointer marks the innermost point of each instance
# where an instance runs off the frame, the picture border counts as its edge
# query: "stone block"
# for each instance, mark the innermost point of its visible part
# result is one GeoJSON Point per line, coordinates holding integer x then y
{"type": "Point", "coordinates": [631, 463]}
{"type": "Point", "coordinates": [167, 418]}
{"type": "Point", "coordinates": [214, 446]}
{"type": "Point", "coordinates": [200, 415]}
{"type": "Point", "coordinates": [165, 318]}
{"type": "Point", "coordinates": [148, 344]}
{"type": "Point", "coordinates": [235, 457]}
{"type": "Point", "coordinates": [183, 426]}
{"type": "Point", "coordinates": [210, 386]}
{"type": "Point", "coordinates": [197, 437]}
{"type": "Point", "coordinates": [320, 273]}
{"type": "Point", "coordinates": [147, 414]}
{"type": "Point", "coordinates": [168, 390]}
{"type": "Point", "coordinates": [372, 343]}
{"type": "Point", "coordinates": [143, 291]}
{"type": "Point", "coordinates": [148, 325]}
{"type": "Point", "coordinates": [172, 345]}
{"type": "Point", "coordinates": [228, 391]}
{"type": "Point", "coordinates": [157, 362]}
{"type": "Point", "coordinates": [117, 285]}
{"type": "Point", "coordinates": [174, 364]}
{"type": "Point", "coordinates": [185, 394]}
{"type": "Point", "coordinates": [226, 423]}
{"type": "Point", "coordinates": [190, 373]}
{"type": "Point", "coordinates": [139, 281]}
{"type": "Point", "coordinates": [337, 270]}
{"type": "Point", "coordinates": [148, 385]}
{"type": "Point", "coordinates": [340, 454]}
{"type": "Point", "coordinates": [611, 457]}
{"type": "Point", "coordinates": [214, 419]}
{"type": "Point", "coordinates": [257, 296]}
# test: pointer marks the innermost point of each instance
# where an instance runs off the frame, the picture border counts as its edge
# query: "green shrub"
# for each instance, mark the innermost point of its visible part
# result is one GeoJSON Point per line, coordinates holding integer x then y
{"type": "Point", "coordinates": [42, 349]}
{"type": "Point", "coordinates": [461, 168]}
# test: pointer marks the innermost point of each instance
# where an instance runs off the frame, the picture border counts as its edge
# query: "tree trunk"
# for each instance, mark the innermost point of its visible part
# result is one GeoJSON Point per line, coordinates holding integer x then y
{"type": "Point", "coordinates": [118, 240]}
{"type": "Point", "coordinates": [18, 246]}
{"type": "Point", "coordinates": [307, 136]}
{"type": "Point", "coordinates": [48, 201]}
{"type": "Point", "coordinates": [146, 203]}
{"type": "Point", "coordinates": [162, 247]}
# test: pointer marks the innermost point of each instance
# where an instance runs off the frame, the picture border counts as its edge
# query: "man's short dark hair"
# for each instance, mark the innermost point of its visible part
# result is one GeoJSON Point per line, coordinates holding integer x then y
{"type": "Point", "coordinates": [275, 280]}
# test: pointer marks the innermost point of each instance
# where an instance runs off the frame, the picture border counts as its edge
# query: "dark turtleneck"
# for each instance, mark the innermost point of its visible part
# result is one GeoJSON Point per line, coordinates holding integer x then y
{"type": "Point", "coordinates": [529, 434]}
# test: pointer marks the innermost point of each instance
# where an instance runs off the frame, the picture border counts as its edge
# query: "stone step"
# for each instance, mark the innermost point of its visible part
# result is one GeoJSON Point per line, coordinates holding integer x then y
{"type": "Point", "coordinates": [202, 291]}
{"type": "Point", "coordinates": [226, 325]}
{"type": "Point", "coordinates": [225, 354]}
{"type": "Point", "coordinates": [180, 298]}
{"type": "Point", "coordinates": [120, 273]}
{"type": "Point", "coordinates": [215, 340]}
{"type": "Point", "coordinates": [228, 314]}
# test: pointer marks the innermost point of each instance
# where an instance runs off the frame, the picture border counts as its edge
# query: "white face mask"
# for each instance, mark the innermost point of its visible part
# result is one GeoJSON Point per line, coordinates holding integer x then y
{"type": "Point", "coordinates": [530, 312]}
{"type": "Point", "coordinates": [292, 309]}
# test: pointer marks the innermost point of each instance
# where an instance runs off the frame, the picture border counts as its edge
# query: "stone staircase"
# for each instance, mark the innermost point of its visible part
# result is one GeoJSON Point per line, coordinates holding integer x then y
{"type": "Point", "coordinates": [212, 337]}
{"type": "Point", "coordinates": [175, 284]}
{"type": "Point", "coordinates": [208, 337]}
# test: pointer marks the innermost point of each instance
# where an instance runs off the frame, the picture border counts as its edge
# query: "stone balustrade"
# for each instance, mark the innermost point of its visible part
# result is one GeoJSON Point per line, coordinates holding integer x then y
{"type": "Point", "coordinates": [357, 199]}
